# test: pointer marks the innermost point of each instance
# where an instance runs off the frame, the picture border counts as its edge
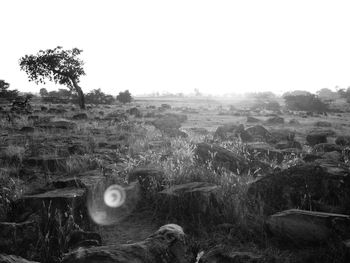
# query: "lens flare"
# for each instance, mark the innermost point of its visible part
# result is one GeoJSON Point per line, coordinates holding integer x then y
{"type": "Point", "coordinates": [114, 196]}
{"type": "Point", "coordinates": [109, 203]}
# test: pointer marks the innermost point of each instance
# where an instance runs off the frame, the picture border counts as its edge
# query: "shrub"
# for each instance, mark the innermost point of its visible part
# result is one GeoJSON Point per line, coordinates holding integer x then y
{"type": "Point", "coordinates": [124, 97]}
{"type": "Point", "coordinates": [5, 93]}
{"type": "Point", "coordinates": [98, 97]}
{"type": "Point", "coordinates": [309, 102]}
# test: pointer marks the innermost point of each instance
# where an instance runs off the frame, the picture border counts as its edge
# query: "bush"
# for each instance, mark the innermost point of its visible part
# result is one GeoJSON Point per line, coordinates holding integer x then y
{"type": "Point", "coordinates": [309, 102]}
{"type": "Point", "coordinates": [5, 93]}
{"type": "Point", "coordinates": [98, 97]}
{"type": "Point", "coordinates": [124, 97]}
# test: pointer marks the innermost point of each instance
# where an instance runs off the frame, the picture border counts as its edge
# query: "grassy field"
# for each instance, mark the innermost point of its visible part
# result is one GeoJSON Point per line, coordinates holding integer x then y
{"type": "Point", "coordinates": [109, 142]}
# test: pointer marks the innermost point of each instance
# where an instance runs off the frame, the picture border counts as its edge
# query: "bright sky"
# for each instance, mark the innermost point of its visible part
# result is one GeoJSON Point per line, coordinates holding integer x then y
{"type": "Point", "coordinates": [215, 46]}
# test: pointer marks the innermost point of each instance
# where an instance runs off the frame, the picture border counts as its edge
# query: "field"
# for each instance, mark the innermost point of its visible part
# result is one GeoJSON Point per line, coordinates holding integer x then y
{"type": "Point", "coordinates": [219, 170]}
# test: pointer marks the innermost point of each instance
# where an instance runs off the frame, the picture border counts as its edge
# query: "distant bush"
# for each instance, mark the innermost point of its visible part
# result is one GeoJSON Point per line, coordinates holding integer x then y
{"type": "Point", "coordinates": [5, 93]}
{"type": "Point", "coordinates": [124, 97]}
{"type": "Point", "coordinates": [98, 97]}
{"type": "Point", "coordinates": [309, 102]}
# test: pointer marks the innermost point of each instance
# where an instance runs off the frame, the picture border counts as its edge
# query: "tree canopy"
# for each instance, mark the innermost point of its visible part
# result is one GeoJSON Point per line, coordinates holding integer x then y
{"type": "Point", "coordinates": [5, 93]}
{"type": "Point", "coordinates": [58, 65]}
{"type": "Point", "coordinates": [309, 102]}
{"type": "Point", "coordinates": [124, 97]}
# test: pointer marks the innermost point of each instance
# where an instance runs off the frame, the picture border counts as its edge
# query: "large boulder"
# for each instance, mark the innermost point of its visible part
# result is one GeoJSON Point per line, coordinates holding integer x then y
{"type": "Point", "coordinates": [318, 186]}
{"type": "Point", "coordinates": [165, 123]}
{"type": "Point", "coordinates": [221, 157]}
{"type": "Point", "coordinates": [308, 227]}
{"type": "Point", "coordinates": [251, 119]}
{"type": "Point", "coordinates": [165, 245]}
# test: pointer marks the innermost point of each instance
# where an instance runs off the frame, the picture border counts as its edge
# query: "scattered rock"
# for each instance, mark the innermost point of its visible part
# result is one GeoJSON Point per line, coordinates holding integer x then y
{"type": "Point", "coordinates": [318, 186]}
{"type": "Point", "coordinates": [220, 157]}
{"type": "Point", "coordinates": [275, 120]}
{"type": "Point", "coordinates": [343, 140]}
{"type": "Point", "coordinates": [327, 147]}
{"type": "Point", "coordinates": [13, 259]}
{"type": "Point", "coordinates": [80, 116]}
{"type": "Point", "coordinates": [323, 124]}
{"type": "Point", "coordinates": [308, 227]}
{"type": "Point", "coordinates": [251, 119]}
{"type": "Point", "coordinates": [259, 133]}
{"type": "Point", "coordinates": [166, 245]}
{"type": "Point", "coordinates": [316, 138]}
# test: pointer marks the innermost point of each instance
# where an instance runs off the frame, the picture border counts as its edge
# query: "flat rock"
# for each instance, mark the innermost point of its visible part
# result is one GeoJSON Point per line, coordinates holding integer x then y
{"type": "Point", "coordinates": [13, 259]}
{"type": "Point", "coordinates": [301, 226]}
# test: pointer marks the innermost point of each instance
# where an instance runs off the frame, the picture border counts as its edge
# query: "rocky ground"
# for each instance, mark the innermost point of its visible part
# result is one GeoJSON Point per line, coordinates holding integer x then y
{"type": "Point", "coordinates": [242, 186]}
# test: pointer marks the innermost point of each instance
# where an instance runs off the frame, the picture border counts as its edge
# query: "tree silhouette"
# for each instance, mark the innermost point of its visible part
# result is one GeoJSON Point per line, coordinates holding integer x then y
{"type": "Point", "coordinates": [5, 93]}
{"type": "Point", "coordinates": [57, 65]}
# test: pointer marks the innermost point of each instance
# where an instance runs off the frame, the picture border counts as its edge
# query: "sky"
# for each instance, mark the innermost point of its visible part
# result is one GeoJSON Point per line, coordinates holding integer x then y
{"type": "Point", "coordinates": [177, 46]}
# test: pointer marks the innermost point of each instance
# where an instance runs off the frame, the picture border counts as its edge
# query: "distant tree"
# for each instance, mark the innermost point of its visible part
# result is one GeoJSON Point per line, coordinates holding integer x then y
{"type": "Point", "coordinates": [296, 93]}
{"type": "Point", "coordinates": [98, 97]}
{"type": "Point", "coordinates": [124, 97]}
{"type": "Point", "coordinates": [58, 65]}
{"type": "Point", "coordinates": [345, 94]}
{"type": "Point", "coordinates": [5, 93]}
{"type": "Point", "coordinates": [327, 94]}
{"type": "Point", "coordinates": [264, 96]}
{"type": "Point", "coordinates": [43, 92]}
{"type": "Point", "coordinates": [309, 102]}
{"type": "Point", "coordinates": [273, 105]}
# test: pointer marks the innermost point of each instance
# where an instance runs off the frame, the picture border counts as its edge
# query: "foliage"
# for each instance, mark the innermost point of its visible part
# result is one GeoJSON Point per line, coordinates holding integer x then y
{"type": "Point", "coordinates": [98, 97]}
{"type": "Point", "coordinates": [296, 93]}
{"type": "Point", "coordinates": [5, 93]}
{"type": "Point", "coordinates": [43, 92]}
{"type": "Point", "coordinates": [309, 102]}
{"type": "Point", "coordinates": [345, 94]}
{"type": "Point", "coordinates": [57, 65]}
{"type": "Point", "coordinates": [124, 97]}
{"type": "Point", "coordinates": [327, 94]}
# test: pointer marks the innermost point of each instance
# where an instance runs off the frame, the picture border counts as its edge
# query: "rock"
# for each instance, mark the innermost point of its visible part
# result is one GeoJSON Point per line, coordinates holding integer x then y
{"type": "Point", "coordinates": [221, 157]}
{"type": "Point", "coordinates": [294, 122]}
{"type": "Point", "coordinates": [288, 145]}
{"type": "Point", "coordinates": [165, 123]}
{"type": "Point", "coordinates": [65, 125]}
{"type": "Point", "coordinates": [251, 119]}
{"type": "Point", "coordinates": [166, 245]}
{"type": "Point", "coordinates": [327, 147]}
{"type": "Point", "coordinates": [335, 156]}
{"type": "Point", "coordinates": [259, 133]}
{"type": "Point", "coordinates": [56, 111]}
{"type": "Point", "coordinates": [190, 188]}
{"type": "Point", "coordinates": [222, 254]}
{"type": "Point", "coordinates": [27, 129]}
{"type": "Point", "coordinates": [165, 106]}
{"type": "Point", "coordinates": [283, 135]}
{"type": "Point", "coordinates": [343, 140]}
{"type": "Point", "coordinates": [275, 120]}
{"type": "Point", "coordinates": [18, 238]}
{"type": "Point", "coordinates": [80, 116]}
{"type": "Point", "coordinates": [78, 148]}
{"type": "Point", "coordinates": [318, 186]}
{"type": "Point", "coordinates": [33, 118]}
{"type": "Point", "coordinates": [13, 259]}
{"type": "Point", "coordinates": [308, 227]}
{"type": "Point", "coordinates": [323, 124]}
{"type": "Point", "coordinates": [43, 108]}
{"type": "Point", "coordinates": [135, 111]}
{"type": "Point", "coordinates": [175, 133]}
{"type": "Point", "coordinates": [316, 138]}
{"type": "Point", "coordinates": [231, 131]}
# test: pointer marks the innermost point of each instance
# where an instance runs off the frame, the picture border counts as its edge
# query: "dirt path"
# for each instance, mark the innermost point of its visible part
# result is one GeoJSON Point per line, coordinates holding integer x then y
{"type": "Point", "coordinates": [135, 227]}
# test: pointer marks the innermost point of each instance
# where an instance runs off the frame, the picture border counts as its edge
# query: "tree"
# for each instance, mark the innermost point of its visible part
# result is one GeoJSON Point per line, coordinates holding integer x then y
{"type": "Point", "coordinates": [43, 92]}
{"type": "Point", "coordinates": [5, 93]}
{"type": "Point", "coordinates": [57, 65]}
{"type": "Point", "coordinates": [327, 94]}
{"type": "Point", "coordinates": [124, 97]}
{"type": "Point", "coordinates": [308, 102]}
{"type": "Point", "coordinates": [345, 94]}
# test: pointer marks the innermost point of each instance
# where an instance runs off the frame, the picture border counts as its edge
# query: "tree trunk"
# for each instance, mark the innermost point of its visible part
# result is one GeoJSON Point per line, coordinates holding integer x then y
{"type": "Point", "coordinates": [80, 94]}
